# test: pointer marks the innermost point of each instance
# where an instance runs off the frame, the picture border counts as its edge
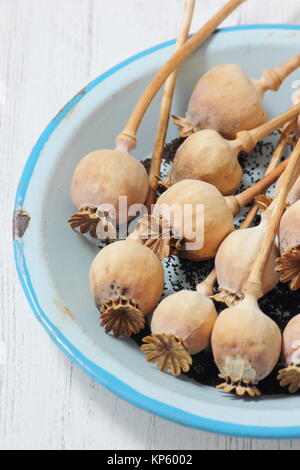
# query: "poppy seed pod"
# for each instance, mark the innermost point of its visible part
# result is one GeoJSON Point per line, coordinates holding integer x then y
{"type": "Point", "coordinates": [188, 195]}
{"type": "Point", "coordinates": [246, 346]}
{"type": "Point", "coordinates": [226, 100]}
{"type": "Point", "coordinates": [192, 218]}
{"type": "Point", "coordinates": [234, 261]}
{"type": "Point", "coordinates": [126, 281]}
{"type": "Point", "coordinates": [99, 179]}
{"type": "Point", "coordinates": [181, 326]}
{"type": "Point", "coordinates": [206, 155]}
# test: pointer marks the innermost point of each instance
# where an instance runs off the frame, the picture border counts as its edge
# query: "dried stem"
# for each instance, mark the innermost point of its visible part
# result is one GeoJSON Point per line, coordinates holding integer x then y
{"type": "Point", "coordinates": [246, 140]}
{"type": "Point", "coordinates": [242, 199]}
{"type": "Point", "coordinates": [166, 108]}
{"type": "Point", "coordinates": [271, 79]}
{"type": "Point", "coordinates": [276, 157]}
{"type": "Point", "coordinates": [131, 128]}
{"type": "Point", "coordinates": [206, 287]}
{"type": "Point", "coordinates": [253, 286]}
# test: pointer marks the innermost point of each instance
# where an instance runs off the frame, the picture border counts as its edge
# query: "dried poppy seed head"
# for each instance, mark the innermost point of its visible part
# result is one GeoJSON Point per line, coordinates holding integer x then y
{"type": "Point", "coordinates": [126, 281]}
{"type": "Point", "coordinates": [102, 176]}
{"type": "Point", "coordinates": [181, 326]}
{"type": "Point", "coordinates": [207, 156]}
{"type": "Point", "coordinates": [226, 100]}
{"type": "Point", "coordinates": [246, 346]}
{"type": "Point", "coordinates": [217, 223]}
{"type": "Point", "coordinates": [234, 261]}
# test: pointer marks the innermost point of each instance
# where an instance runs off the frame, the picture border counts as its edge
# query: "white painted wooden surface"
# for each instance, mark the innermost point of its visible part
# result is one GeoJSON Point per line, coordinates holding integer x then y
{"type": "Point", "coordinates": [49, 49]}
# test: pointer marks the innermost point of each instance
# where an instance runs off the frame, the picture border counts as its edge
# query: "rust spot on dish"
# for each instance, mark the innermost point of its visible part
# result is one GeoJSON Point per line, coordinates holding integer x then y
{"type": "Point", "coordinates": [21, 221]}
{"type": "Point", "coordinates": [65, 310]}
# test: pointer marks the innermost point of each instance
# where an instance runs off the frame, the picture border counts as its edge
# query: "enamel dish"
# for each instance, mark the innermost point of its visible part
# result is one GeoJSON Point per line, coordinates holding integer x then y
{"type": "Point", "coordinates": [53, 261]}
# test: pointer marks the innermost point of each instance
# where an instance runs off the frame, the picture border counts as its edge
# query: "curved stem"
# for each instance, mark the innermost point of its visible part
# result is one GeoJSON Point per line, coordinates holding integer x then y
{"type": "Point", "coordinates": [242, 199]}
{"type": "Point", "coordinates": [247, 140]}
{"type": "Point", "coordinates": [253, 286]}
{"type": "Point", "coordinates": [166, 108]}
{"type": "Point", "coordinates": [278, 152]}
{"type": "Point", "coordinates": [206, 287]}
{"type": "Point", "coordinates": [281, 145]}
{"type": "Point", "coordinates": [131, 128]}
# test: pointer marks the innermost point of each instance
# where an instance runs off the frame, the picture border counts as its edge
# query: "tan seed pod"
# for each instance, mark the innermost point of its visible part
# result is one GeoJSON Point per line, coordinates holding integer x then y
{"type": "Point", "coordinates": [178, 219]}
{"type": "Point", "coordinates": [226, 100]}
{"type": "Point", "coordinates": [206, 155]}
{"type": "Point", "coordinates": [246, 346]}
{"type": "Point", "coordinates": [104, 175]}
{"type": "Point", "coordinates": [234, 261]}
{"type": "Point", "coordinates": [126, 281]}
{"type": "Point", "coordinates": [290, 375]}
{"type": "Point", "coordinates": [169, 212]}
{"type": "Point", "coordinates": [288, 265]}
{"type": "Point", "coordinates": [209, 157]}
{"type": "Point", "coordinates": [181, 327]}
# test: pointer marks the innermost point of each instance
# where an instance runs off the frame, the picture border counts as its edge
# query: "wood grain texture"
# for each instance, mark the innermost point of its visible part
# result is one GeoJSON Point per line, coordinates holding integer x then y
{"type": "Point", "coordinates": [49, 49]}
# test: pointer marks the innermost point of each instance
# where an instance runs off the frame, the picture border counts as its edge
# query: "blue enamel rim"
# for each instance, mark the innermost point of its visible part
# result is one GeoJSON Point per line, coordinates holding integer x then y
{"type": "Point", "coordinates": [100, 375]}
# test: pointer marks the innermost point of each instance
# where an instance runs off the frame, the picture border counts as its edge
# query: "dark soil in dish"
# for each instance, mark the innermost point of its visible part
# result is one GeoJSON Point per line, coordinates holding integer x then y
{"type": "Point", "coordinates": [280, 304]}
